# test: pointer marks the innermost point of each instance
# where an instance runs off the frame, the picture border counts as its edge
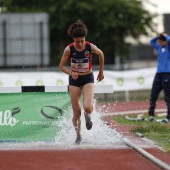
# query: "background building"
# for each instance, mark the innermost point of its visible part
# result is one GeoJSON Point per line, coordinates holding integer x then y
{"type": "Point", "coordinates": [24, 40]}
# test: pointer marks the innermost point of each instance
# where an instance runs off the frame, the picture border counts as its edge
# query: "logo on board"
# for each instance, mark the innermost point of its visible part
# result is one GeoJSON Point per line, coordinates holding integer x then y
{"type": "Point", "coordinates": [7, 117]}
{"type": "Point", "coordinates": [54, 116]}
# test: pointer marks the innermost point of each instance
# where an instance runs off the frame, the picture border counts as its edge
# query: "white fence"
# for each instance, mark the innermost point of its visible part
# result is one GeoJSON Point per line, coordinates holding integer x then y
{"type": "Point", "coordinates": [130, 80]}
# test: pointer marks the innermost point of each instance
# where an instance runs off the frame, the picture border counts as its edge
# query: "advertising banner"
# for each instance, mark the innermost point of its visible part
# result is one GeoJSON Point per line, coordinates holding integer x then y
{"type": "Point", "coordinates": [127, 80]}
{"type": "Point", "coordinates": [32, 116]}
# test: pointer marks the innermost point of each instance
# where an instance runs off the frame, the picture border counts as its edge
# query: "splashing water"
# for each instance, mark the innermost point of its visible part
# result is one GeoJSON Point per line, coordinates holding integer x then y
{"type": "Point", "coordinates": [100, 136]}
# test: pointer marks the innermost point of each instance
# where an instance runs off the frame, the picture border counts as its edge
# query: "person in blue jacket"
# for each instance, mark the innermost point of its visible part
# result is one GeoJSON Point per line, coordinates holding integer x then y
{"type": "Point", "coordinates": [162, 77]}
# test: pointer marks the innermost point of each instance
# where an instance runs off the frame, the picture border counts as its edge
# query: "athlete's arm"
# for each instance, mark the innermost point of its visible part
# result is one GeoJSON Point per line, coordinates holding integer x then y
{"type": "Point", "coordinates": [154, 43]}
{"type": "Point", "coordinates": [64, 59]}
{"type": "Point", "coordinates": [167, 39]}
{"type": "Point", "coordinates": [98, 52]}
{"type": "Point", "coordinates": [63, 62]}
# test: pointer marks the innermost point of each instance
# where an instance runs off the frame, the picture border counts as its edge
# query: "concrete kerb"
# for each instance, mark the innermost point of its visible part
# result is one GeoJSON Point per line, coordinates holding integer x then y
{"type": "Point", "coordinates": [155, 160]}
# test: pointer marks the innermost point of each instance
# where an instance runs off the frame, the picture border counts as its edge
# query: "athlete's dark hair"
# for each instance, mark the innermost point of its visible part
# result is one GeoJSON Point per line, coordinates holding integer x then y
{"type": "Point", "coordinates": [78, 29]}
{"type": "Point", "coordinates": [161, 37]}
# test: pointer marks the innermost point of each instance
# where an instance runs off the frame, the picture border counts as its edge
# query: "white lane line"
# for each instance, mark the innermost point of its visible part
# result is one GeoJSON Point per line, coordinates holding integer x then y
{"type": "Point", "coordinates": [132, 112]}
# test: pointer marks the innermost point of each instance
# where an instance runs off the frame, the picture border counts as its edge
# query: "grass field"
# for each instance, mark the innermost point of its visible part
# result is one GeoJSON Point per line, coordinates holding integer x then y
{"type": "Point", "coordinates": [158, 132]}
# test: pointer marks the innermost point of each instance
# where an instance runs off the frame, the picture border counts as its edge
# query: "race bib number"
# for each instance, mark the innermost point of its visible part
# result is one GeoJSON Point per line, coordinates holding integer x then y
{"type": "Point", "coordinates": [80, 65]}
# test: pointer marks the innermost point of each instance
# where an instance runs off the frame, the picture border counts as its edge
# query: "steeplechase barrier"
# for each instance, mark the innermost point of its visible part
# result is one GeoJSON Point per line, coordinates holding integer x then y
{"type": "Point", "coordinates": [33, 113]}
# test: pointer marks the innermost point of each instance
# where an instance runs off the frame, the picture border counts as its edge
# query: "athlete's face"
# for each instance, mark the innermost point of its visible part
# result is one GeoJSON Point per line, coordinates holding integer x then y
{"type": "Point", "coordinates": [162, 43]}
{"type": "Point", "coordinates": [79, 41]}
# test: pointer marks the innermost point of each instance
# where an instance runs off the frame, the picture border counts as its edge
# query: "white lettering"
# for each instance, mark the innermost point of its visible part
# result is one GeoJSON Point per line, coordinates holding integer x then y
{"type": "Point", "coordinates": [7, 119]}
{"type": "Point", "coordinates": [36, 122]}
{"type": "Point", "coordinates": [0, 117]}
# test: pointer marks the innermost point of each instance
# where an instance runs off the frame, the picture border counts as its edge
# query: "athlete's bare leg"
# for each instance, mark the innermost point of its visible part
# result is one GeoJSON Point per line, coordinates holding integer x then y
{"type": "Point", "coordinates": [75, 95]}
{"type": "Point", "coordinates": [88, 93]}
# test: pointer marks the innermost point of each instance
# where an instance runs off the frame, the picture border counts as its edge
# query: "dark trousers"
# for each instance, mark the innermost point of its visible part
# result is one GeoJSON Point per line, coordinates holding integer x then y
{"type": "Point", "coordinates": [161, 82]}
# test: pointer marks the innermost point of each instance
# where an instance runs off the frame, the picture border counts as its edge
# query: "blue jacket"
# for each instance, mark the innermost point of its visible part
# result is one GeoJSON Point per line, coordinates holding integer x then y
{"type": "Point", "coordinates": [163, 55]}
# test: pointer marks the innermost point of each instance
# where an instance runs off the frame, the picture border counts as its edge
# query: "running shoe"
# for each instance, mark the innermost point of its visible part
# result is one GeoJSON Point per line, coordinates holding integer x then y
{"type": "Point", "coordinates": [78, 140]}
{"type": "Point", "coordinates": [165, 120]}
{"type": "Point", "coordinates": [151, 119]}
{"type": "Point", "coordinates": [89, 123]}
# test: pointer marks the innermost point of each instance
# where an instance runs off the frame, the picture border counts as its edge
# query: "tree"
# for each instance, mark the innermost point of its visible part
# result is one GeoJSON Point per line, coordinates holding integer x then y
{"type": "Point", "coordinates": [109, 22]}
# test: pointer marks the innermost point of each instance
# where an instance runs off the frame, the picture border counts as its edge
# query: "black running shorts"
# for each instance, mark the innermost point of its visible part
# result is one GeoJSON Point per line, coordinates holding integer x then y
{"type": "Point", "coordinates": [81, 80]}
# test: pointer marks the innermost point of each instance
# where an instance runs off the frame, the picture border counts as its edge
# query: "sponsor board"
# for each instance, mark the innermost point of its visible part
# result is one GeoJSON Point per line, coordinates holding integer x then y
{"type": "Point", "coordinates": [32, 116]}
